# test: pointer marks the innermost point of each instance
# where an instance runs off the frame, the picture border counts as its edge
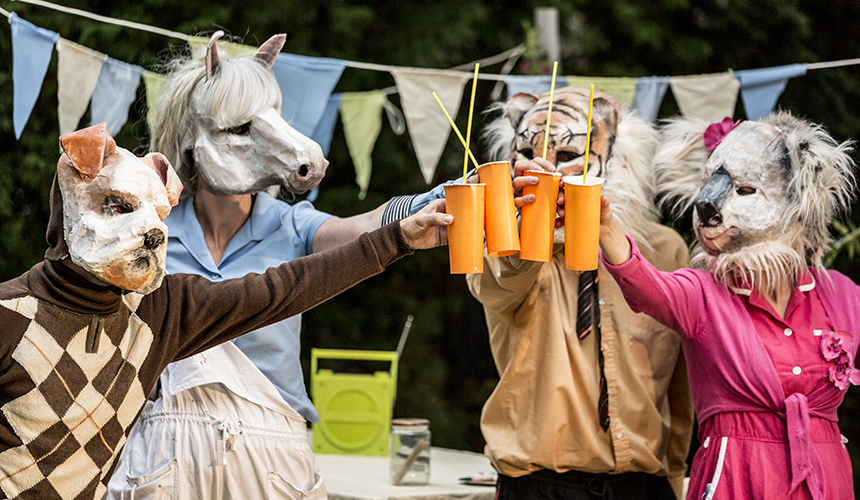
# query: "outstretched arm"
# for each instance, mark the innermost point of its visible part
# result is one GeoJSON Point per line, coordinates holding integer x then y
{"type": "Point", "coordinates": [208, 313]}
{"type": "Point", "coordinates": [338, 231]}
{"type": "Point", "coordinates": [616, 248]}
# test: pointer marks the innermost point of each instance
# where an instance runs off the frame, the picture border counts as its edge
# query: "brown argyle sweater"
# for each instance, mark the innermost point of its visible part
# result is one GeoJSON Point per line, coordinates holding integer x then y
{"type": "Point", "coordinates": [78, 360]}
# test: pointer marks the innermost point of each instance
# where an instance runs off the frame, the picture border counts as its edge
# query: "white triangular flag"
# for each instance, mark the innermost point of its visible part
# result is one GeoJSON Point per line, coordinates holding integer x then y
{"type": "Point", "coordinates": [78, 70]}
{"type": "Point", "coordinates": [711, 97]}
{"type": "Point", "coordinates": [428, 126]}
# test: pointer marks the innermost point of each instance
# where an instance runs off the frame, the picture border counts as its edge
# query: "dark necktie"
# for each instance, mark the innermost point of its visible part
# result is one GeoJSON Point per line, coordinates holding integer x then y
{"type": "Point", "coordinates": [588, 319]}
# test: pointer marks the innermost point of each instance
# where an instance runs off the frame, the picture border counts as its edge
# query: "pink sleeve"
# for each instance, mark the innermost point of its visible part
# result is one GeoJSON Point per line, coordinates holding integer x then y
{"type": "Point", "coordinates": [674, 299]}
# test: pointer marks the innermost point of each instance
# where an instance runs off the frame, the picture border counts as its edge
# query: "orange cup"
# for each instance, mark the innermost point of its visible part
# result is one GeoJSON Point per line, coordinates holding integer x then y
{"type": "Point", "coordinates": [538, 218]}
{"type": "Point", "coordinates": [500, 215]}
{"type": "Point", "coordinates": [581, 222]}
{"type": "Point", "coordinates": [466, 234]}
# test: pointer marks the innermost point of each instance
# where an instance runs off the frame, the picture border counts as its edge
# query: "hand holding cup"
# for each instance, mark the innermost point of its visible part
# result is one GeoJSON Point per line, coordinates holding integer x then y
{"type": "Point", "coordinates": [427, 228]}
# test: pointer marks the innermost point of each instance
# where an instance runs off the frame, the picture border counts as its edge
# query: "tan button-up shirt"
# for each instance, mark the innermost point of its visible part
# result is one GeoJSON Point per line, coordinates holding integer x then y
{"type": "Point", "coordinates": [543, 412]}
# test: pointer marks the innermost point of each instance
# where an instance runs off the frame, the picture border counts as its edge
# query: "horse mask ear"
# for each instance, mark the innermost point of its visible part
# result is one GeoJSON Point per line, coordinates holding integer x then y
{"type": "Point", "coordinates": [87, 149]}
{"type": "Point", "coordinates": [212, 59]}
{"type": "Point", "coordinates": [268, 52]}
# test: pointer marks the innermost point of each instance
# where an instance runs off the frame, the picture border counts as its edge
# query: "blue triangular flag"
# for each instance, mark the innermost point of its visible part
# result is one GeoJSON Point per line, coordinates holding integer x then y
{"type": "Point", "coordinates": [114, 94]}
{"type": "Point", "coordinates": [533, 84]}
{"type": "Point", "coordinates": [31, 54]}
{"type": "Point", "coordinates": [650, 91]}
{"type": "Point", "coordinates": [325, 127]}
{"type": "Point", "coordinates": [760, 88]}
{"type": "Point", "coordinates": [323, 133]}
{"type": "Point", "coordinates": [306, 84]}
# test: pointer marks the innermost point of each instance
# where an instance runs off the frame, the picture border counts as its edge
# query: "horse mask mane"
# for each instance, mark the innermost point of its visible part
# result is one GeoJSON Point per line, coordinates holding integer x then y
{"type": "Point", "coordinates": [762, 201]}
{"type": "Point", "coordinates": [622, 145]}
{"type": "Point", "coordinates": [219, 119]}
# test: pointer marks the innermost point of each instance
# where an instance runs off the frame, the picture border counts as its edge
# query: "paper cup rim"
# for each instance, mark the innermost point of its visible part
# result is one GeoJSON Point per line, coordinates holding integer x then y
{"type": "Point", "coordinates": [576, 180]}
{"type": "Point", "coordinates": [468, 184]}
{"type": "Point", "coordinates": [544, 172]}
{"type": "Point", "coordinates": [492, 163]}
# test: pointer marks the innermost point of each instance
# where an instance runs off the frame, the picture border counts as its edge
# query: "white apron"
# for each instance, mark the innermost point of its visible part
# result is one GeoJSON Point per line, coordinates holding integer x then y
{"type": "Point", "coordinates": [218, 431]}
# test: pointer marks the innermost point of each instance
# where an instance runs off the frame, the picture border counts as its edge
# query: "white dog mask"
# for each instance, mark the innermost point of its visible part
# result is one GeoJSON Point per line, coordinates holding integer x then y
{"type": "Point", "coordinates": [114, 205]}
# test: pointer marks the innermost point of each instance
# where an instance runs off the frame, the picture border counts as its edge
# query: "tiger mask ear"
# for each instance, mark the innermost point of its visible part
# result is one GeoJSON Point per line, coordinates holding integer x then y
{"type": "Point", "coordinates": [518, 104]}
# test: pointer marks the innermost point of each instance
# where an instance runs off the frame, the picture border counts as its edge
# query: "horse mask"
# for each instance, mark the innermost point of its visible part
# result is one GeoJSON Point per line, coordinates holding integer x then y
{"type": "Point", "coordinates": [763, 199]}
{"type": "Point", "coordinates": [220, 119]}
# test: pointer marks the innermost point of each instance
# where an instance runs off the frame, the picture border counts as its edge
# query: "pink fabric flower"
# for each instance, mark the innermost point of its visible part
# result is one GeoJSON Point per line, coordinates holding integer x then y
{"type": "Point", "coordinates": [715, 132]}
{"type": "Point", "coordinates": [836, 346]}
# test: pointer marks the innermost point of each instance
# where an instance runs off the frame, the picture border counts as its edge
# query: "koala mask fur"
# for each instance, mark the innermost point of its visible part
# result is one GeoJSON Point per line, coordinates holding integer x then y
{"type": "Point", "coordinates": [114, 204]}
{"type": "Point", "coordinates": [764, 199]}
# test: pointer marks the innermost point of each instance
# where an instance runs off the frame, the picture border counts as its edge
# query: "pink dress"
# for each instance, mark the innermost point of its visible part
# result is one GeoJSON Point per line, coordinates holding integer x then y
{"type": "Point", "coordinates": [761, 386]}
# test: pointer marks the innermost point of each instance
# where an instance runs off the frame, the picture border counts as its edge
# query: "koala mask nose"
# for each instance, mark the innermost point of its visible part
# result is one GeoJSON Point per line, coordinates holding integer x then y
{"type": "Point", "coordinates": [711, 199]}
{"type": "Point", "coordinates": [153, 238]}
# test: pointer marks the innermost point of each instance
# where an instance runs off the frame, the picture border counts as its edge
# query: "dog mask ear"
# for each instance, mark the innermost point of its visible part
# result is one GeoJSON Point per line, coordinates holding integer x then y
{"type": "Point", "coordinates": [87, 149]}
{"type": "Point", "coordinates": [162, 167]}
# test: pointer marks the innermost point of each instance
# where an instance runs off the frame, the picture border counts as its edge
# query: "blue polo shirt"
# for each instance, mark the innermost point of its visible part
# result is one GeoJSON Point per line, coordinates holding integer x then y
{"type": "Point", "coordinates": [275, 233]}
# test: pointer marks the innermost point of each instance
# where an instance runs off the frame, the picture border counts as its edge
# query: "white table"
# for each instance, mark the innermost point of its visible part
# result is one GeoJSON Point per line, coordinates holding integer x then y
{"type": "Point", "coordinates": [362, 477]}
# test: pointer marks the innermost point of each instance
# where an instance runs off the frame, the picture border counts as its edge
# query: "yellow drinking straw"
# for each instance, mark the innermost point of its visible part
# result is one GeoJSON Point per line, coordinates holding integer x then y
{"type": "Point", "coordinates": [549, 110]}
{"type": "Point", "coordinates": [456, 130]}
{"type": "Point", "coordinates": [469, 126]}
{"type": "Point", "coordinates": [588, 132]}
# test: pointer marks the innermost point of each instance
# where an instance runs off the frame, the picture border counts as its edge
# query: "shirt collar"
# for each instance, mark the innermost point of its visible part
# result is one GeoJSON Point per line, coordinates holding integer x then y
{"type": "Point", "coordinates": [805, 283]}
{"type": "Point", "coordinates": [184, 226]}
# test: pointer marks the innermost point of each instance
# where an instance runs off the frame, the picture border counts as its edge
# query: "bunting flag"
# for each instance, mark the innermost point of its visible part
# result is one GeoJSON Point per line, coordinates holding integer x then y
{"type": "Point", "coordinates": [115, 91]}
{"type": "Point", "coordinates": [427, 124]}
{"type": "Point", "coordinates": [760, 88]}
{"type": "Point", "coordinates": [324, 132]}
{"type": "Point", "coordinates": [621, 88]}
{"type": "Point", "coordinates": [533, 84]}
{"type": "Point", "coordinates": [32, 48]}
{"type": "Point", "coordinates": [325, 128]}
{"type": "Point", "coordinates": [361, 115]}
{"type": "Point", "coordinates": [78, 70]}
{"type": "Point", "coordinates": [154, 86]}
{"type": "Point", "coordinates": [650, 91]}
{"type": "Point", "coordinates": [711, 97]}
{"type": "Point", "coordinates": [306, 84]}
{"type": "Point", "coordinates": [308, 104]}
{"type": "Point", "coordinates": [233, 50]}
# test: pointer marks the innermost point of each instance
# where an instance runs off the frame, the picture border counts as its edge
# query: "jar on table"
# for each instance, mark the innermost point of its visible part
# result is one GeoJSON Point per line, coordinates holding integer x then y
{"type": "Point", "coordinates": [409, 448]}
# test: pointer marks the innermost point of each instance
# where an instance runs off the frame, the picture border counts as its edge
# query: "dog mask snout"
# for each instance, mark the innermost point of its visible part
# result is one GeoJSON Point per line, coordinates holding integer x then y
{"type": "Point", "coordinates": [153, 239]}
{"type": "Point", "coordinates": [711, 199]}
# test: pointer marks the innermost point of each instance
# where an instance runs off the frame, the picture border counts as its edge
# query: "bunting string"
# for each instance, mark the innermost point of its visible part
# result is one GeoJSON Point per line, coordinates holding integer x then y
{"type": "Point", "coordinates": [312, 107]}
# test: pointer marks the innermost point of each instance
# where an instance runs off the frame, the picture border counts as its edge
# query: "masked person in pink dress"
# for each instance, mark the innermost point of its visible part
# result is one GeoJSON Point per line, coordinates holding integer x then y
{"type": "Point", "coordinates": [769, 335]}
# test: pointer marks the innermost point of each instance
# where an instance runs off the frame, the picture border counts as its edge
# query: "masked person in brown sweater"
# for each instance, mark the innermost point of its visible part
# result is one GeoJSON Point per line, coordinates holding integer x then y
{"type": "Point", "coordinates": [88, 330]}
{"type": "Point", "coordinates": [592, 400]}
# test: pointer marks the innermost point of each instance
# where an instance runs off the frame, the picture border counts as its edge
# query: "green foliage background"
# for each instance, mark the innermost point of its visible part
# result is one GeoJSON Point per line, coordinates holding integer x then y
{"type": "Point", "coordinates": [446, 373]}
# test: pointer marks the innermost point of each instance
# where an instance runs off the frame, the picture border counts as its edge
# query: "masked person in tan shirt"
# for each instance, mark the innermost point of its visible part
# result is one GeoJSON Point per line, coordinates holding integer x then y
{"type": "Point", "coordinates": [551, 431]}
